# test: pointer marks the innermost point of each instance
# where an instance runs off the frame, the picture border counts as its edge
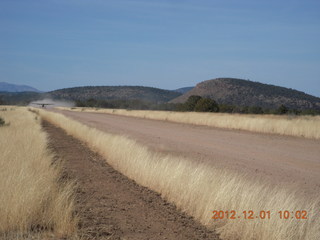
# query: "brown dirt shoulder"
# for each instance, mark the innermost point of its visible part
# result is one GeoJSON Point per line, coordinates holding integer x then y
{"type": "Point", "coordinates": [111, 206]}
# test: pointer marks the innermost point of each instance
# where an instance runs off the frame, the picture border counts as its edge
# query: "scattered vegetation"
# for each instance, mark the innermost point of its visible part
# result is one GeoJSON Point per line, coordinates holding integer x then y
{"type": "Point", "coordinates": [194, 103]}
{"type": "Point", "coordinates": [198, 189]}
{"type": "Point", "coordinates": [34, 200]}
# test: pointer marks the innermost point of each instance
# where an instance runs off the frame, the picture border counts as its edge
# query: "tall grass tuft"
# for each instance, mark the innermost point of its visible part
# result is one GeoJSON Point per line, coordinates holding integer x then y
{"type": "Point", "coordinates": [199, 189]}
{"type": "Point", "coordinates": [33, 198]}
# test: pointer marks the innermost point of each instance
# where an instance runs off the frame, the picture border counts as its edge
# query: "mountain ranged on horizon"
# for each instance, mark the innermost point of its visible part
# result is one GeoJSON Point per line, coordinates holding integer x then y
{"type": "Point", "coordinates": [229, 91]}
{"type": "Point", "coordinates": [9, 87]}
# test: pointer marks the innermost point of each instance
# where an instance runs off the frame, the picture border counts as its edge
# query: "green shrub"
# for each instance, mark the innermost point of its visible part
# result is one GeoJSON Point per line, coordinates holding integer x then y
{"type": "Point", "coordinates": [206, 105]}
{"type": "Point", "coordinates": [190, 104]}
{"type": "Point", "coordinates": [255, 110]}
{"type": "Point", "coordinates": [2, 122]}
{"type": "Point", "coordinates": [310, 112]}
{"type": "Point", "coordinates": [282, 110]}
{"type": "Point", "coordinates": [226, 108]}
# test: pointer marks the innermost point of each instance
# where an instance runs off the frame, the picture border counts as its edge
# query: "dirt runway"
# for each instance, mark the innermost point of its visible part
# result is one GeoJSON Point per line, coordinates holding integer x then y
{"type": "Point", "coordinates": [279, 158]}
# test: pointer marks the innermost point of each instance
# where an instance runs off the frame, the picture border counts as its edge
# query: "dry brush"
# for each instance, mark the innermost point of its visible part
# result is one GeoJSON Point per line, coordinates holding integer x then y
{"type": "Point", "coordinates": [33, 198]}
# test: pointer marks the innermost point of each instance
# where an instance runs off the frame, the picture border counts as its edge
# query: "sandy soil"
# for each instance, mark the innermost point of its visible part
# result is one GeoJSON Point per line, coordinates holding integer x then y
{"type": "Point", "coordinates": [111, 206]}
{"type": "Point", "coordinates": [279, 158]}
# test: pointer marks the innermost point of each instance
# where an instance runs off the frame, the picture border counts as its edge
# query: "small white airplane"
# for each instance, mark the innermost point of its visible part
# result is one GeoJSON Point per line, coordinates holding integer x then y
{"type": "Point", "coordinates": [43, 104]}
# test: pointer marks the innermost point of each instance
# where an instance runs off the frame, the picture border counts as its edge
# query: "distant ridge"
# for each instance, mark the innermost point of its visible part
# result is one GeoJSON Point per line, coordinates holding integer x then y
{"type": "Point", "coordinates": [9, 87]}
{"type": "Point", "coordinates": [115, 93]}
{"type": "Point", "coordinates": [241, 92]}
{"type": "Point", "coordinates": [183, 90]}
{"type": "Point", "coordinates": [230, 91]}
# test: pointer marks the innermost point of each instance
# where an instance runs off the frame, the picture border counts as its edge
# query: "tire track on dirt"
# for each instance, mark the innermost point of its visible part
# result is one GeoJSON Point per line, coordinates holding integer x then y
{"type": "Point", "coordinates": [111, 206]}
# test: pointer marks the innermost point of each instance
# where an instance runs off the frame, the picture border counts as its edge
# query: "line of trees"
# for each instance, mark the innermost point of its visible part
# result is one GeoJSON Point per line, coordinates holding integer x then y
{"type": "Point", "coordinates": [194, 103]}
{"type": "Point", "coordinates": [198, 104]}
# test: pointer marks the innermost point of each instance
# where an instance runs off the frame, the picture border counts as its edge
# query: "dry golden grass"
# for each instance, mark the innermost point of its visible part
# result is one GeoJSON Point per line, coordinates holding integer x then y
{"type": "Point", "coordinates": [198, 189]}
{"type": "Point", "coordinates": [301, 126]}
{"type": "Point", "coordinates": [32, 195]}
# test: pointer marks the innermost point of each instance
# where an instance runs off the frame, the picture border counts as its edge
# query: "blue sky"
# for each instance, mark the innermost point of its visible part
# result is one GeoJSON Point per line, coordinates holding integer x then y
{"type": "Point", "coordinates": [167, 44]}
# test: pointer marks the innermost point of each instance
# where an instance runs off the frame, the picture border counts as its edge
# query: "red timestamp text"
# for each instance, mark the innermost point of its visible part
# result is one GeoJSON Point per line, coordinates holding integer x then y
{"type": "Point", "coordinates": [263, 214]}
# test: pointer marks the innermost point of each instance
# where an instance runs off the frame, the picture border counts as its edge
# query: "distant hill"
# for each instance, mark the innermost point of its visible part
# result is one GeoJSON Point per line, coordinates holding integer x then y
{"type": "Point", "coordinates": [114, 93]}
{"type": "Point", "coordinates": [19, 98]}
{"type": "Point", "coordinates": [183, 90]}
{"type": "Point", "coordinates": [229, 91]}
{"type": "Point", "coordinates": [247, 93]}
{"type": "Point", "coordinates": [8, 87]}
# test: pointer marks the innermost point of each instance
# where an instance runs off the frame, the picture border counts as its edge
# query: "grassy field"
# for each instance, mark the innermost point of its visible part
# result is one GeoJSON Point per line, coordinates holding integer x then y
{"type": "Point", "coordinates": [34, 201]}
{"type": "Point", "coordinates": [300, 126]}
{"type": "Point", "coordinates": [199, 189]}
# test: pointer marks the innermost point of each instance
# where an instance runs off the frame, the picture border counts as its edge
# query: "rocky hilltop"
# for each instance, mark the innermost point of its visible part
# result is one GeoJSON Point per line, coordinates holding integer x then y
{"type": "Point", "coordinates": [241, 92]}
